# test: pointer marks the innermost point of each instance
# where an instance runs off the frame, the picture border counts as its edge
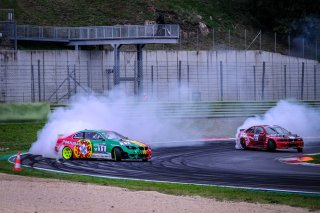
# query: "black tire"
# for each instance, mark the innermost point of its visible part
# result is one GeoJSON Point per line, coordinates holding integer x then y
{"type": "Point", "coordinates": [243, 144]}
{"type": "Point", "coordinates": [300, 149]}
{"type": "Point", "coordinates": [145, 159]}
{"type": "Point", "coordinates": [271, 146]}
{"type": "Point", "coordinates": [116, 154]}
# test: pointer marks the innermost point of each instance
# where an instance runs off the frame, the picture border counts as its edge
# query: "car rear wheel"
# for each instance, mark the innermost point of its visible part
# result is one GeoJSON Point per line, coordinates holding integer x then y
{"type": "Point", "coordinates": [300, 149]}
{"type": "Point", "coordinates": [271, 146]}
{"type": "Point", "coordinates": [243, 144]}
{"type": "Point", "coordinates": [67, 153]}
{"type": "Point", "coordinates": [117, 154]}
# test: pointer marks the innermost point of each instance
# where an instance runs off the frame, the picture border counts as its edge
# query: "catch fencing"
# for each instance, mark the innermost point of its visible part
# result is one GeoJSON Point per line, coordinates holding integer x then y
{"type": "Point", "coordinates": [55, 76]}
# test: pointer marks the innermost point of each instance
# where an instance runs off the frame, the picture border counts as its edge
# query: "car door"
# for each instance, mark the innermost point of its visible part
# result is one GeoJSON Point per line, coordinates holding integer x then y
{"type": "Point", "coordinates": [99, 145]}
{"type": "Point", "coordinates": [258, 136]}
{"type": "Point", "coordinates": [250, 134]}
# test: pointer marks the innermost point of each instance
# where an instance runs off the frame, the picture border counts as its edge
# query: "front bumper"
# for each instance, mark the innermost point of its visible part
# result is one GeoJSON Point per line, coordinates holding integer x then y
{"type": "Point", "coordinates": [287, 145]}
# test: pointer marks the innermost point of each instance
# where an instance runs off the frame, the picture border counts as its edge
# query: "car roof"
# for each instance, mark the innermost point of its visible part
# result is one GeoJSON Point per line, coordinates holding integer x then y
{"type": "Point", "coordinates": [264, 125]}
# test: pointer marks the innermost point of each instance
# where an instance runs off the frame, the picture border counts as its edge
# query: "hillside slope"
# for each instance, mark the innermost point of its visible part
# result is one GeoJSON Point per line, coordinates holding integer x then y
{"type": "Point", "coordinates": [235, 22]}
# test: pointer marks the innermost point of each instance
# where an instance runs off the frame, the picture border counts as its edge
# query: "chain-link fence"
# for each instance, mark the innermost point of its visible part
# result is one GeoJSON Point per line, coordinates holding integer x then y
{"type": "Point", "coordinates": [54, 76]}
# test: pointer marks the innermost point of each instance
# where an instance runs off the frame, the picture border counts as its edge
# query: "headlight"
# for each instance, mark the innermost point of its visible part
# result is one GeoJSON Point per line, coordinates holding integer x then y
{"type": "Point", "coordinates": [131, 147]}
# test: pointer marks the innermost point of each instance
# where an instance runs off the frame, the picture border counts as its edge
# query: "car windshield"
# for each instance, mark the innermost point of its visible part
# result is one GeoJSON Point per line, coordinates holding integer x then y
{"type": "Point", "coordinates": [113, 135]}
{"type": "Point", "coordinates": [271, 130]}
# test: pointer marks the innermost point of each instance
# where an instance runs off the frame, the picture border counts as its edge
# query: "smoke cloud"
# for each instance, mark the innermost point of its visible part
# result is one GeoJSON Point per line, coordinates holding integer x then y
{"type": "Point", "coordinates": [296, 117]}
{"type": "Point", "coordinates": [116, 111]}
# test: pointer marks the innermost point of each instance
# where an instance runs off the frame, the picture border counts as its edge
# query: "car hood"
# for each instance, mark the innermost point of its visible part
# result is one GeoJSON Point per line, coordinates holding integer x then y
{"type": "Point", "coordinates": [133, 143]}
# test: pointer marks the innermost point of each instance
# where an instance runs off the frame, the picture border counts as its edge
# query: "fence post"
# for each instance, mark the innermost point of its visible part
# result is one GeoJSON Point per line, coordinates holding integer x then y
{"type": "Point", "coordinates": [39, 81]}
{"type": "Point", "coordinates": [263, 76]}
{"type": "Point", "coordinates": [285, 81]}
{"type": "Point", "coordinates": [302, 81]}
{"type": "Point", "coordinates": [221, 82]}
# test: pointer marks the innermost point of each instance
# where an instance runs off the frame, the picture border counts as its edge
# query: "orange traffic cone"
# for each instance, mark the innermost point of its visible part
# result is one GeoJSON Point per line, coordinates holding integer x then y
{"type": "Point", "coordinates": [17, 165]}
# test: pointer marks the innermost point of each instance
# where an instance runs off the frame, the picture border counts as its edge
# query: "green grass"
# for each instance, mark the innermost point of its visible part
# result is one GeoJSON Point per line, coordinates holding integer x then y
{"type": "Point", "coordinates": [316, 159]}
{"type": "Point", "coordinates": [19, 137]}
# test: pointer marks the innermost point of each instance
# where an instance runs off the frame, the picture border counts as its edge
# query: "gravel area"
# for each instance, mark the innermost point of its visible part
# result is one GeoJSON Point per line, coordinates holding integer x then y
{"type": "Point", "coordinates": [29, 194]}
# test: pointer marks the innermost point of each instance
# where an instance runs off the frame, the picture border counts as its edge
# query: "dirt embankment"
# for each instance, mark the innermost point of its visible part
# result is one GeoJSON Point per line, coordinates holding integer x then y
{"type": "Point", "coordinates": [28, 194]}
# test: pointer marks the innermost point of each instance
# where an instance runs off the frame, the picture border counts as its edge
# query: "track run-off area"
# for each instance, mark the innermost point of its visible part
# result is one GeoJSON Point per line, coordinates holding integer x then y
{"type": "Point", "coordinates": [209, 163]}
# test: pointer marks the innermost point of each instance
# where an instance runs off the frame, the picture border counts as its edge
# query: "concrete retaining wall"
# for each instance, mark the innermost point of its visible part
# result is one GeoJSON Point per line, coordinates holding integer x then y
{"type": "Point", "coordinates": [54, 76]}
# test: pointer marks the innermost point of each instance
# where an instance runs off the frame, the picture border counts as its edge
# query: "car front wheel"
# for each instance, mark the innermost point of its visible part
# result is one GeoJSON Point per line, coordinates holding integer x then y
{"type": "Point", "coordinates": [271, 146]}
{"type": "Point", "coordinates": [300, 150]}
{"type": "Point", "coordinates": [117, 154]}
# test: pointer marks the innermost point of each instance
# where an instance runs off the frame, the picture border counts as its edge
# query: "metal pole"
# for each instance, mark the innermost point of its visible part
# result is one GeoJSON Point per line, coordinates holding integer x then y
{"type": "Point", "coordinates": [68, 80]}
{"type": "Point", "coordinates": [75, 78]}
{"type": "Point", "coordinates": [254, 83]}
{"type": "Point", "coordinates": [245, 39]}
{"type": "Point", "coordinates": [289, 44]}
{"type": "Point", "coordinates": [302, 47]}
{"type": "Point", "coordinates": [140, 68]}
{"type": "Point", "coordinates": [260, 39]}
{"type": "Point", "coordinates": [179, 74]}
{"type": "Point", "coordinates": [152, 80]}
{"type": "Point", "coordinates": [39, 81]}
{"type": "Point", "coordinates": [315, 82]}
{"type": "Point", "coordinates": [213, 44]}
{"type": "Point", "coordinates": [32, 85]}
{"type": "Point", "coordinates": [229, 39]}
{"type": "Point", "coordinates": [263, 76]}
{"type": "Point", "coordinates": [285, 81]}
{"type": "Point", "coordinates": [221, 81]}
{"type": "Point", "coordinates": [302, 81]}
{"type": "Point", "coordinates": [316, 49]}
{"type": "Point", "coordinates": [188, 74]}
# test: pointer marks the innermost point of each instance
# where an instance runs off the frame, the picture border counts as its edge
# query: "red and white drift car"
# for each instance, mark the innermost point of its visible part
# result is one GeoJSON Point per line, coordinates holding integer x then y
{"type": "Point", "coordinates": [268, 137]}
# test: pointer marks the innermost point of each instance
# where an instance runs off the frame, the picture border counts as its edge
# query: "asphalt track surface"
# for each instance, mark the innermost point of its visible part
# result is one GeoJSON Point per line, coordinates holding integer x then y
{"type": "Point", "coordinates": [212, 163]}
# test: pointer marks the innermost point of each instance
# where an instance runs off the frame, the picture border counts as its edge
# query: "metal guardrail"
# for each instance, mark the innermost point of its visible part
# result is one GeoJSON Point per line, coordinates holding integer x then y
{"type": "Point", "coordinates": [65, 34]}
{"type": "Point", "coordinates": [219, 109]}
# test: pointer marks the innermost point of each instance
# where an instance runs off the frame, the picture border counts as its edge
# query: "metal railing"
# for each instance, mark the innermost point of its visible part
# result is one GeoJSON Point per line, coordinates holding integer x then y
{"type": "Point", "coordinates": [30, 32]}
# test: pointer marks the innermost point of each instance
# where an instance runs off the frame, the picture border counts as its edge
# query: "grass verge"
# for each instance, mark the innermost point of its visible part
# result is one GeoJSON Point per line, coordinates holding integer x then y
{"type": "Point", "coordinates": [316, 159]}
{"type": "Point", "coordinates": [18, 137]}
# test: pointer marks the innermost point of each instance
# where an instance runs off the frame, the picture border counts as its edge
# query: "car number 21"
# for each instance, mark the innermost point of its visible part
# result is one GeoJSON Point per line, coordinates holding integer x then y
{"type": "Point", "coordinates": [102, 148]}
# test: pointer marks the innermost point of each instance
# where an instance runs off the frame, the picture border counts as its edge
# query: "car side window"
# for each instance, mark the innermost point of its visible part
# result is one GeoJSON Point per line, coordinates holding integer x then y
{"type": "Point", "coordinates": [79, 135]}
{"type": "Point", "coordinates": [90, 135]}
{"type": "Point", "coordinates": [250, 130]}
{"type": "Point", "coordinates": [257, 130]}
{"type": "Point", "coordinates": [97, 136]}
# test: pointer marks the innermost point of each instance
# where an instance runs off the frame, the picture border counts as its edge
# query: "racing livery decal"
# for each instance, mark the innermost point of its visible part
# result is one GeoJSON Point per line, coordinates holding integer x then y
{"type": "Point", "coordinates": [83, 149]}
